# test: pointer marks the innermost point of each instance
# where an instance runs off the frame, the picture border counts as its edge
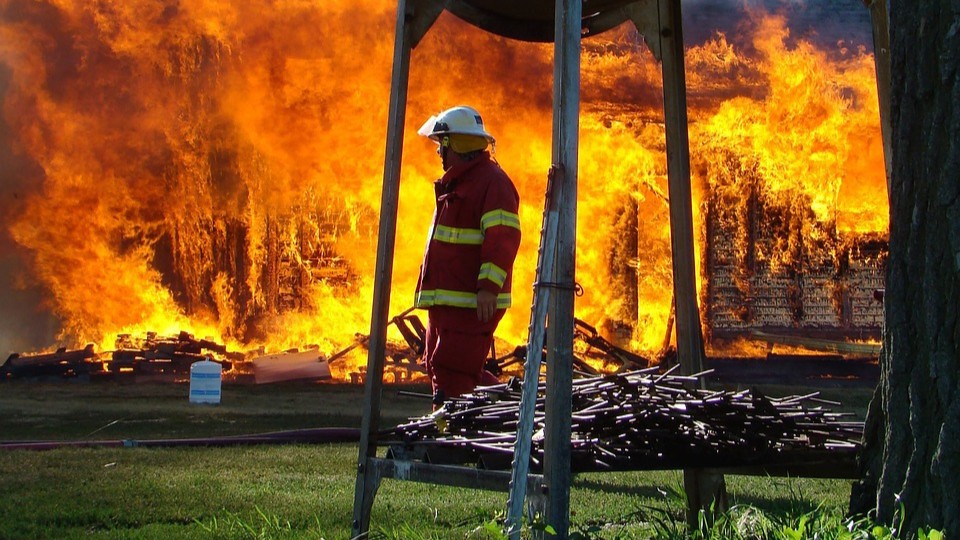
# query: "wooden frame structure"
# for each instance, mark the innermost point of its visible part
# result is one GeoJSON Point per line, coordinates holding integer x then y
{"type": "Point", "coordinates": [659, 21]}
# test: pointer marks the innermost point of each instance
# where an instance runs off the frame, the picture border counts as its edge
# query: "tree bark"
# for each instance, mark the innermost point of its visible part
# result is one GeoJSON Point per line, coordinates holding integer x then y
{"type": "Point", "coordinates": [911, 456]}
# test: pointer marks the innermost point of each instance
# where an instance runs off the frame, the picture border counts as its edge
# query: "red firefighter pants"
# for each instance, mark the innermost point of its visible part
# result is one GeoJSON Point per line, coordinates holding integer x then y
{"type": "Point", "coordinates": [455, 360]}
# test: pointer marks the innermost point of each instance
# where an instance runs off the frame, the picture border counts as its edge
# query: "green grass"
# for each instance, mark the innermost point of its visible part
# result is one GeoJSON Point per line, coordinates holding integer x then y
{"type": "Point", "coordinates": [75, 410]}
{"type": "Point", "coordinates": [293, 491]}
{"type": "Point", "coordinates": [156, 493]}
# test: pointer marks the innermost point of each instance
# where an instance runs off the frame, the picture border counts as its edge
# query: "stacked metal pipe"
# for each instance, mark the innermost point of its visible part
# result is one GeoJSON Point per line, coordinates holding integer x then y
{"type": "Point", "coordinates": [640, 420]}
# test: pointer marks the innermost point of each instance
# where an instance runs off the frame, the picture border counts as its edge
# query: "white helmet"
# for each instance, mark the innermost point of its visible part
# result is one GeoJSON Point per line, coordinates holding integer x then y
{"type": "Point", "coordinates": [461, 120]}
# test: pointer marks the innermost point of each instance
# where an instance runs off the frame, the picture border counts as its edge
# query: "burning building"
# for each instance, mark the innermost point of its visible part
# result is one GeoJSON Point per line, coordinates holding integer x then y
{"type": "Point", "coordinates": [215, 168]}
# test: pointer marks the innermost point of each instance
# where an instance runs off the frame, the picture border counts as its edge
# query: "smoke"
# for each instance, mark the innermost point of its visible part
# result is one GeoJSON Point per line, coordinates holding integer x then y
{"type": "Point", "coordinates": [824, 23]}
{"type": "Point", "coordinates": [25, 322]}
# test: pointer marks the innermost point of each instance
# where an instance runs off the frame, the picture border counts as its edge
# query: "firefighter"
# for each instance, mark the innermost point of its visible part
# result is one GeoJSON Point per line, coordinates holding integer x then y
{"type": "Point", "coordinates": [466, 273]}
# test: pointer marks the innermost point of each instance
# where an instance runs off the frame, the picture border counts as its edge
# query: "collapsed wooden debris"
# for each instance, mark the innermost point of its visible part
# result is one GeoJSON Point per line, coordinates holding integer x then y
{"type": "Point", "coordinates": [640, 420]}
{"type": "Point", "coordinates": [61, 363]}
{"type": "Point", "coordinates": [169, 357]}
{"type": "Point", "coordinates": [166, 355]}
{"type": "Point", "coordinates": [152, 355]}
{"type": "Point", "coordinates": [402, 361]}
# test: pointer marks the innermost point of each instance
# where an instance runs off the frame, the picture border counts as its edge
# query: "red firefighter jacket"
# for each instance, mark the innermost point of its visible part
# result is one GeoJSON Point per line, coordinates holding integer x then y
{"type": "Point", "coordinates": [472, 244]}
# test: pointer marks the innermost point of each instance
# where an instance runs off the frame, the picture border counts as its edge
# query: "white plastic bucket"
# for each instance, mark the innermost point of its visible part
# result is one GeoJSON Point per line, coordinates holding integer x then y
{"type": "Point", "coordinates": [205, 379]}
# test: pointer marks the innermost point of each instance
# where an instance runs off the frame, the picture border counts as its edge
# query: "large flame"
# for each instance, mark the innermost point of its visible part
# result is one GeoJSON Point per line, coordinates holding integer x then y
{"type": "Point", "coordinates": [216, 167]}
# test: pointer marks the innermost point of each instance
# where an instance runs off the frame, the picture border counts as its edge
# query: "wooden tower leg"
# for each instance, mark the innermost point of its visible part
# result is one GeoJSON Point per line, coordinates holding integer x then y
{"type": "Point", "coordinates": [414, 18]}
{"type": "Point", "coordinates": [659, 22]}
{"type": "Point", "coordinates": [880, 21]}
{"type": "Point", "coordinates": [566, 125]}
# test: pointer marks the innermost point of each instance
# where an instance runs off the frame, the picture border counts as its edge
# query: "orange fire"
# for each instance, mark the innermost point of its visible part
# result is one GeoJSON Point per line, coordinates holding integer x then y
{"type": "Point", "coordinates": [216, 168]}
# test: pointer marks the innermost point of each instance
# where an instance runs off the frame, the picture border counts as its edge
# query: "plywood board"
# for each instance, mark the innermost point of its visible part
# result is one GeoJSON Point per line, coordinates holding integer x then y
{"type": "Point", "coordinates": [290, 366]}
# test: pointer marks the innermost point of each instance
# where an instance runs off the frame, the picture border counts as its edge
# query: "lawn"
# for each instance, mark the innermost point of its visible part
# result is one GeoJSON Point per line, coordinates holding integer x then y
{"type": "Point", "coordinates": [284, 491]}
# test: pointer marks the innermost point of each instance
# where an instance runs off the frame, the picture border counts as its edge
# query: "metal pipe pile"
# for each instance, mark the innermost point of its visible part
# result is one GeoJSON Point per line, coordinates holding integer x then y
{"type": "Point", "coordinates": [640, 420]}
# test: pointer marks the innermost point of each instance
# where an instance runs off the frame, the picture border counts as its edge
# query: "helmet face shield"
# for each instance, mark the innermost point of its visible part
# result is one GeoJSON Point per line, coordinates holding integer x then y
{"type": "Point", "coordinates": [427, 129]}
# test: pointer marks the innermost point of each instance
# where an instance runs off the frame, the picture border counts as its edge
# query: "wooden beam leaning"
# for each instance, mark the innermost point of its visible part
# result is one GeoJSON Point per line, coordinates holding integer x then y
{"type": "Point", "coordinates": [704, 490]}
{"type": "Point", "coordinates": [880, 21]}
{"type": "Point", "coordinates": [546, 259]}
{"type": "Point", "coordinates": [566, 125]}
{"type": "Point", "coordinates": [689, 333]}
{"type": "Point", "coordinates": [414, 18]}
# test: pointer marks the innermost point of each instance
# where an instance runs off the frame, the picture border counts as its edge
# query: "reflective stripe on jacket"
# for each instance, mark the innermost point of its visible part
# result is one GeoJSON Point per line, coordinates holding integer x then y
{"type": "Point", "coordinates": [474, 239]}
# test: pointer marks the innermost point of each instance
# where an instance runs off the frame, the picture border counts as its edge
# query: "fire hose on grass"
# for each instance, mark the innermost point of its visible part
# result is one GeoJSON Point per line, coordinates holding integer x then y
{"type": "Point", "coordinates": [329, 435]}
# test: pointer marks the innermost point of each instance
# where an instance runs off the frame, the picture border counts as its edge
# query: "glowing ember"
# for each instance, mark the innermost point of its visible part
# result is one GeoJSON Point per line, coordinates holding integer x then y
{"type": "Point", "coordinates": [215, 168]}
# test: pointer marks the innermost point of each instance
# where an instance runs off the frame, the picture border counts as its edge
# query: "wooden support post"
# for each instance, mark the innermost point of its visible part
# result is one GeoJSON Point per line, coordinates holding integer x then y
{"type": "Point", "coordinates": [566, 125]}
{"type": "Point", "coordinates": [704, 490]}
{"type": "Point", "coordinates": [414, 18]}
{"type": "Point", "coordinates": [881, 56]}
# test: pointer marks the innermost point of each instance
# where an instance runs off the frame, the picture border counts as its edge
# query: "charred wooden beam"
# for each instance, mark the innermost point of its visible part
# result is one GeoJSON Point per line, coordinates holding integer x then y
{"type": "Point", "coordinates": [61, 363]}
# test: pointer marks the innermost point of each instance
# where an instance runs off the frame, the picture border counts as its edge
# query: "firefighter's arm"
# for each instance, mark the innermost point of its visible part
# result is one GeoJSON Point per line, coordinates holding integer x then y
{"type": "Point", "coordinates": [501, 241]}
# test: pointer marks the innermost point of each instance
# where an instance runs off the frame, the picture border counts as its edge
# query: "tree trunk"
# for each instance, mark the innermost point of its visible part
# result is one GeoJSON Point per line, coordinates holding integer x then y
{"type": "Point", "coordinates": [912, 438]}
